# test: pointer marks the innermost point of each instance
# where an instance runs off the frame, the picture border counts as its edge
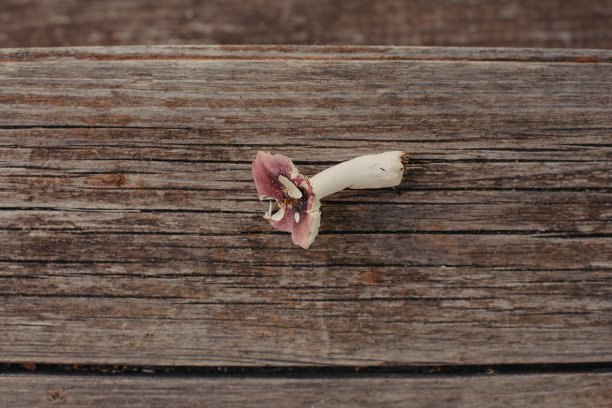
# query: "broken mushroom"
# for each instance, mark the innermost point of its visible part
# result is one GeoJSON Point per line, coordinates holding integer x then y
{"type": "Point", "coordinates": [299, 197]}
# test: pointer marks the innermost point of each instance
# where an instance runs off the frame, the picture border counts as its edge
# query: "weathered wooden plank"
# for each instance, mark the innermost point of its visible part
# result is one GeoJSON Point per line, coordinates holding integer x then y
{"type": "Point", "coordinates": [403, 96]}
{"type": "Point", "coordinates": [540, 212]}
{"type": "Point", "coordinates": [222, 282]}
{"type": "Point", "coordinates": [240, 314]}
{"type": "Point", "coordinates": [547, 23]}
{"type": "Point", "coordinates": [58, 148]}
{"type": "Point", "coordinates": [303, 53]}
{"type": "Point", "coordinates": [484, 249]}
{"type": "Point", "coordinates": [538, 390]}
{"type": "Point", "coordinates": [131, 232]}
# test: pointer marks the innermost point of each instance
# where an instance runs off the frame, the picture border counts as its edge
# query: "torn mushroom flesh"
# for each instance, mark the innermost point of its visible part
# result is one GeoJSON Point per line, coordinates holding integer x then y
{"type": "Point", "coordinates": [277, 178]}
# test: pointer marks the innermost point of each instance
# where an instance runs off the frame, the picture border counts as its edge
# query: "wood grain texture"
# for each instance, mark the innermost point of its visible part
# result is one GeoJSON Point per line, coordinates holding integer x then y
{"type": "Point", "coordinates": [131, 232]}
{"type": "Point", "coordinates": [517, 23]}
{"type": "Point", "coordinates": [539, 390]}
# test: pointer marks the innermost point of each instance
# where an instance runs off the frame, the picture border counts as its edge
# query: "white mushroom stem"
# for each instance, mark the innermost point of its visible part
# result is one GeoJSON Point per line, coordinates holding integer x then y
{"type": "Point", "coordinates": [371, 171]}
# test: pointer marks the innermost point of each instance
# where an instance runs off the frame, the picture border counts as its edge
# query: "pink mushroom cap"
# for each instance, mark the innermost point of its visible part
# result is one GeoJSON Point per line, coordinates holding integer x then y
{"type": "Point", "coordinates": [268, 171]}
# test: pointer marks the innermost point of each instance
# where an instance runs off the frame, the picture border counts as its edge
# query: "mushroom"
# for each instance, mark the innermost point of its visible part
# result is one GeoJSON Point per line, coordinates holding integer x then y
{"type": "Point", "coordinates": [299, 197]}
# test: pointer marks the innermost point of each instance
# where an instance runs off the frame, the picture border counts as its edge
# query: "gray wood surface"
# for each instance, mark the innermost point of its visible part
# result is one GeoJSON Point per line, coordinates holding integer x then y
{"type": "Point", "coordinates": [131, 232]}
{"type": "Point", "coordinates": [514, 23]}
{"type": "Point", "coordinates": [558, 390]}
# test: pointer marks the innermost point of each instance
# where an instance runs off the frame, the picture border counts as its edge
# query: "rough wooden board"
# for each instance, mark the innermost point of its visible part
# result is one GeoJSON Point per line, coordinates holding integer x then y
{"type": "Point", "coordinates": [536, 212]}
{"type": "Point", "coordinates": [538, 390]}
{"type": "Point", "coordinates": [546, 23]}
{"type": "Point", "coordinates": [131, 231]}
{"type": "Point", "coordinates": [353, 247]}
{"type": "Point", "coordinates": [304, 53]}
{"type": "Point", "coordinates": [242, 315]}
